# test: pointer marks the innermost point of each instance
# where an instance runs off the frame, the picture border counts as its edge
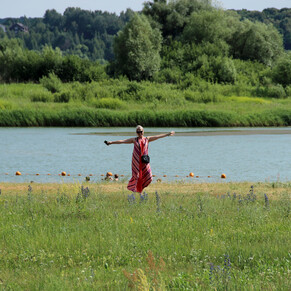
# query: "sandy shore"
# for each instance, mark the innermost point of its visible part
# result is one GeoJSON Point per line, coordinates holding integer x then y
{"type": "Point", "coordinates": [236, 132]}
{"type": "Point", "coordinates": [267, 131]}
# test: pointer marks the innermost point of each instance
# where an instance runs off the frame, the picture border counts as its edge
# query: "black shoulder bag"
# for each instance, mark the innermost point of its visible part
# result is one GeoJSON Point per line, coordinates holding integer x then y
{"type": "Point", "coordinates": [145, 159]}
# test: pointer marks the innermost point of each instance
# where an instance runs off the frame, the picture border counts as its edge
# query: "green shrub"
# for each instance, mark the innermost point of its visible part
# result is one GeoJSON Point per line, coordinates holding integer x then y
{"type": "Point", "coordinates": [5, 104]}
{"type": "Point", "coordinates": [276, 91]}
{"type": "Point", "coordinates": [102, 92]}
{"type": "Point", "coordinates": [84, 93]}
{"type": "Point", "coordinates": [173, 75]}
{"type": "Point", "coordinates": [88, 91]}
{"type": "Point", "coordinates": [281, 72]}
{"type": "Point", "coordinates": [192, 96]}
{"type": "Point", "coordinates": [63, 97]}
{"type": "Point", "coordinates": [202, 97]}
{"type": "Point", "coordinates": [52, 83]}
{"type": "Point", "coordinates": [190, 80]}
{"type": "Point", "coordinates": [249, 72]}
{"type": "Point", "coordinates": [225, 70]}
{"type": "Point", "coordinates": [238, 89]}
{"type": "Point", "coordinates": [94, 72]}
{"type": "Point", "coordinates": [132, 92]}
{"type": "Point", "coordinates": [41, 97]}
{"type": "Point", "coordinates": [272, 91]}
{"type": "Point", "coordinates": [288, 91]}
{"type": "Point", "coordinates": [107, 103]}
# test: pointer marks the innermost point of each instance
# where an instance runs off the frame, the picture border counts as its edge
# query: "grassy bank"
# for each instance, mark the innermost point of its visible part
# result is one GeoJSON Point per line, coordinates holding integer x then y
{"type": "Point", "coordinates": [124, 103]}
{"type": "Point", "coordinates": [197, 236]}
{"type": "Point", "coordinates": [179, 118]}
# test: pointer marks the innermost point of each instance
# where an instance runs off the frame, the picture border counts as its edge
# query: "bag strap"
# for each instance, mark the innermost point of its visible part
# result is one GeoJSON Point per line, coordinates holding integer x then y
{"type": "Point", "coordinates": [139, 144]}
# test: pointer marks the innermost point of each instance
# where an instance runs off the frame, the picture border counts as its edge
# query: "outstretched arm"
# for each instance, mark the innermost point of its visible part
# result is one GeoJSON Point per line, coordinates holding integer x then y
{"type": "Point", "coordinates": [129, 140]}
{"type": "Point", "coordinates": [155, 137]}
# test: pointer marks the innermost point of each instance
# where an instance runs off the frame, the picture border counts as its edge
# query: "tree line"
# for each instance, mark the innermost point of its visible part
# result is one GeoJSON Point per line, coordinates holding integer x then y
{"type": "Point", "coordinates": [90, 33]}
{"type": "Point", "coordinates": [80, 32]}
{"type": "Point", "coordinates": [280, 18]}
{"type": "Point", "coordinates": [165, 42]}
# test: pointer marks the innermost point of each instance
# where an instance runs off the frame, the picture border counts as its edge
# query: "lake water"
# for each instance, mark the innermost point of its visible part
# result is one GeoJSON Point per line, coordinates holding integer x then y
{"type": "Point", "coordinates": [43, 151]}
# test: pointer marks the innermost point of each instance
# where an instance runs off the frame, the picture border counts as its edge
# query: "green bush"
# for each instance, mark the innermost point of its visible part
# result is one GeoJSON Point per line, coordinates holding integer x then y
{"type": "Point", "coordinates": [88, 91]}
{"type": "Point", "coordinates": [288, 91]}
{"type": "Point", "coordinates": [281, 72]}
{"type": "Point", "coordinates": [63, 97]}
{"type": "Point", "coordinates": [272, 91]}
{"type": "Point", "coordinates": [107, 103]}
{"type": "Point", "coordinates": [225, 71]}
{"type": "Point", "coordinates": [84, 93]}
{"type": "Point", "coordinates": [168, 75]}
{"type": "Point", "coordinates": [132, 92]}
{"type": "Point", "coordinates": [276, 91]}
{"type": "Point", "coordinates": [102, 92]}
{"type": "Point", "coordinates": [202, 97]}
{"type": "Point", "coordinates": [5, 104]}
{"type": "Point", "coordinates": [52, 83]}
{"type": "Point", "coordinates": [41, 97]}
{"type": "Point", "coordinates": [94, 72]}
{"type": "Point", "coordinates": [190, 80]}
{"type": "Point", "coordinates": [192, 96]}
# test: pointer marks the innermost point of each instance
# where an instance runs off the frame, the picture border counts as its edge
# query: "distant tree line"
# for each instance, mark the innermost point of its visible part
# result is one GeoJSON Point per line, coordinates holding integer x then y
{"type": "Point", "coordinates": [280, 18]}
{"type": "Point", "coordinates": [174, 38]}
{"type": "Point", "coordinates": [167, 41]}
{"type": "Point", "coordinates": [18, 64]}
{"type": "Point", "coordinates": [79, 32]}
{"type": "Point", "coordinates": [90, 34]}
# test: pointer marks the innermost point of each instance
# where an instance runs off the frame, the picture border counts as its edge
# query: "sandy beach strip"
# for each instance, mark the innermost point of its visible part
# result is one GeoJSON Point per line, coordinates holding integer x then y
{"type": "Point", "coordinates": [267, 131]}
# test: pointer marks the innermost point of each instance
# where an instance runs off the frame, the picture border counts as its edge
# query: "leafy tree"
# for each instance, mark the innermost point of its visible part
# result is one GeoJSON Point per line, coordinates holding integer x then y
{"type": "Point", "coordinates": [75, 27]}
{"type": "Point", "coordinates": [225, 71]}
{"type": "Point", "coordinates": [137, 49]}
{"type": "Point", "coordinates": [53, 19]}
{"type": "Point", "coordinates": [10, 50]}
{"type": "Point", "coordinates": [50, 62]}
{"type": "Point", "coordinates": [281, 72]}
{"type": "Point", "coordinates": [51, 82]}
{"type": "Point", "coordinates": [172, 16]}
{"type": "Point", "coordinates": [280, 18]}
{"type": "Point", "coordinates": [207, 26]}
{"type": "Point", "coordinates": [256, 42]}
{"type": "Point", "coordinates": [285, 27]}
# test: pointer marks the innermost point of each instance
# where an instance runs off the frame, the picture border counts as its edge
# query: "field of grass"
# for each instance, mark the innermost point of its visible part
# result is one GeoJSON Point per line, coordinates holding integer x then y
{"type": "Point", "coordinates": [124, 103]}
{"type": "Point", "coordinates": [180, 236]}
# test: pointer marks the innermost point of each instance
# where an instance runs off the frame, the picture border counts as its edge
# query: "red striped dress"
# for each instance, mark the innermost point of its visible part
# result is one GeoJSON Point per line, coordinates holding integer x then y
{"type": "Point", "coordinates": [141, 173]}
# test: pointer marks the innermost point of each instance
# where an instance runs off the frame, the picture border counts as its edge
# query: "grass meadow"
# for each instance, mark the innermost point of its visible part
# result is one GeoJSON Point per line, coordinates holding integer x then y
{"type": "Point", "coordinates": [176, 236]}
{"type": "Point", "coordinates": [123, 103]}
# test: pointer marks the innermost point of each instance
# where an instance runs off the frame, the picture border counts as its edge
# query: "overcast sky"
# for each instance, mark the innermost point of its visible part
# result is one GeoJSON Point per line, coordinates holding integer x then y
{"type": "Point", "coordinates": [37, 8]}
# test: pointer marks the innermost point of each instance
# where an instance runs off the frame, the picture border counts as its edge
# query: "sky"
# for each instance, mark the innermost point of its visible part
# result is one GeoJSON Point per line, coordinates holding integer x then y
{"type": "Point", "coordinates": [37, 8]}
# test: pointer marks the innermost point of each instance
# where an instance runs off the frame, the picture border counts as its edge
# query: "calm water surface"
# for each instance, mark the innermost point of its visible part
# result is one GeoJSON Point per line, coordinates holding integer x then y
{"type": "Point", "coordinates": [77, 150]}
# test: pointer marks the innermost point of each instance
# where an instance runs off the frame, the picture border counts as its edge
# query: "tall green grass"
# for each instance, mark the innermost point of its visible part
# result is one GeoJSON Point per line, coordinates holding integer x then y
{"type": "Point", "coordinates": [84, 239]}
{"type": "Point", "coordinates": [124, 103]}
{"type": "Point", "coordinates": [84, 116]}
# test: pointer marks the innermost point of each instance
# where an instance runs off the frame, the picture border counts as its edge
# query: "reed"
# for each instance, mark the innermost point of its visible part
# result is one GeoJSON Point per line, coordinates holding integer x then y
{"type": "Point", "coordinates": [124, 103]}
{"type": "Point", "coordinates": [84, 116]}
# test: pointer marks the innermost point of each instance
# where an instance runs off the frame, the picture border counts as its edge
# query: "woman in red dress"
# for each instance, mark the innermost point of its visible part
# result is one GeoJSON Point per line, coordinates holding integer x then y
{"type": "Point", "coordinates": [141, 172]}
